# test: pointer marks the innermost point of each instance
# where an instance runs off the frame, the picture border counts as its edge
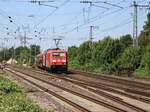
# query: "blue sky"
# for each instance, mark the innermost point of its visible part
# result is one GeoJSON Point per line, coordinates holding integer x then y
{"type": "Point", "coordinates": [70, 21]}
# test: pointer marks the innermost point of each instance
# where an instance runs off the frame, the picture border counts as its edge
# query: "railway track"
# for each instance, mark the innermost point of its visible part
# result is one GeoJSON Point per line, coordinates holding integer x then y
{"type": "Point", "coordinates": [88, 86]}
{"type": "Point", "coordinates": [96, 75]}
{"type": "Point", "coordinates": [116, 79]}
{"type": "Point", "coordinates": [138, 91]}
{"type": "Point", "coordinates": [131, 92]}
{"type": "Point", "coordinates": [81, 108]}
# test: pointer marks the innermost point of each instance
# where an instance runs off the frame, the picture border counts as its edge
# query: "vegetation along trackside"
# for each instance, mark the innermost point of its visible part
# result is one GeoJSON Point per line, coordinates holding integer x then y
{"type": "Point", "coordinates": [114, 56]}
{"type": "Point", "coordinates": [12, 98]}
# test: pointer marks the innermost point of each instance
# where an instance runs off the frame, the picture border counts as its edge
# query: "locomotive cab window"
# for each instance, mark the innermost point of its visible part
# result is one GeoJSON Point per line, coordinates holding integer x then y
{"type": "Point", "coordinates": [58, 54]}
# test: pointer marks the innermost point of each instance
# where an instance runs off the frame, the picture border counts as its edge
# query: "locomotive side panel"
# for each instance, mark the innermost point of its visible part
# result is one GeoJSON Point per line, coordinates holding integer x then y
{"type": "Point", "coordinates": [47, 60]}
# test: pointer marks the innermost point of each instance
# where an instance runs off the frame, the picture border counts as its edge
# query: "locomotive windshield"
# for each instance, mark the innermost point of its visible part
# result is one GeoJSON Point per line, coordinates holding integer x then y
{"type": "Point", "coordinates": [58, 54]}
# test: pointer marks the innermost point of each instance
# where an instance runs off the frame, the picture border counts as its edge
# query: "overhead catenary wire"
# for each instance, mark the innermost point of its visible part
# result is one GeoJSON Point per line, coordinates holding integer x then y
{"type": "Point", "coordinates": [71, 21]}
{"type": "Point", "coordinates": [68, 24]}
{"type": "Point", "coordinates": [120, 25]}
{"type": "Point", "coordinates": [91, 20]}
{"type": "Point", "coordinates": [80, 25]}
{"type": "Point", "coordinates": [45, 18]}
{"type": "Point", "coordinates": [95, 18]}
{"type": "Point", "coordinates": [115, 27]}
{"type": "Point", "coordinates": [75, 26]}
{"type": "Point", "coordinates": [114, 5]}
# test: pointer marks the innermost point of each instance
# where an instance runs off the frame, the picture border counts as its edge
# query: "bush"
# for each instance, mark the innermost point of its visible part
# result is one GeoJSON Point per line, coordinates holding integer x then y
{"type": "Point", "coordinates": [84, 53]}
{"type": "Point", "coordinates": [7, 87]}
{"type": "Point", "coordinates": [89, 67]}
{"type": "Point", "coordinates": [12, 98]}
{"type": "Point", "coordinates": [141, 72]}
{"type": "Point", "coordinates": [16, 102]}
{"type": "Point", "coordinates": [74, 64]}
{"type": "Point", "coordinates": [146, 59]}
{"type": "Point", "coordinates": [131, 58]}
{"type": "Point", "coordinates": [101, 55]}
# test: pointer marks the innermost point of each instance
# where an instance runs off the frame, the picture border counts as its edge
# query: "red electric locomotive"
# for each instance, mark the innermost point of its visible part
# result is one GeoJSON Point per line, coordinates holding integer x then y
{"type": "Point", "coordinates": [53, 60]}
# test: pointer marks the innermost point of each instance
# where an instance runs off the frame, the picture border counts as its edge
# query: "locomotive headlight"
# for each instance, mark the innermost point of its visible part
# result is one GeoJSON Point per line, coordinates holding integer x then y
{"type": "Point", "coordinates": [63, 60]}
{"type": "Point", "coordinates": [54, 60]}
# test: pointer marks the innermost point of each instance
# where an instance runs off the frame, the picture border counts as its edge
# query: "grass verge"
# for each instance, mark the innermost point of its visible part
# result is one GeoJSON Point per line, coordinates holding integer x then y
{"type": "Point", "coordinates": [12, 98]}
{"type": "Point", "coordinates": [142, 73]}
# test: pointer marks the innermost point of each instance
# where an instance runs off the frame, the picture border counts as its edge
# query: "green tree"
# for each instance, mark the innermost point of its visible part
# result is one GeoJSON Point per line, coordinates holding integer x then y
{"type": "Point", "coordinates": [110, 52]}
{"type": "Point", "coordinates": [146, 59]}
{"type": "Point", "coordinates": [144, 38]}
{"type": "Point", "coordinates": [6, 54]}
{"type": "Point", "coordinates": [84, 53]}
{"type": "Point", "coordinates": [72, 52]}
{"type": "Point", "coordinates": [22, 54]}
{"type": "Point", "coordinates": [131, 58]}
{"type": "Point", "coordinates": [34, 50]}
{"type": "Point", "coordinates": [126, 40]}
{"type": "Point", "coordinates": [101, 55]}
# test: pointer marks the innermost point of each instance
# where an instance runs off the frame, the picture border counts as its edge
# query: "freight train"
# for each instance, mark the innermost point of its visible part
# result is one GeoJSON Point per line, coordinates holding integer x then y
{"type": "Point", "coordinates": [53, 60]}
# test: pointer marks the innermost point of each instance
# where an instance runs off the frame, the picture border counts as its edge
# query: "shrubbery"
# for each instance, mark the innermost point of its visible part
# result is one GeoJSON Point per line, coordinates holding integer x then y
{"type": "Point", "coordinates": [23, 55]}
{"type": "Point", "coordinates": [114, 55]}
{"type": "Point", "coordinates": [110, 56]}
{"type": "Point", "coordinates": [12, 98]}
{"type": "Point", "coordinates": [146, 59]}
{"type": "Point", "coordinates": [131, 58]}
{"type": "Point", "coordinates": [7, 87]}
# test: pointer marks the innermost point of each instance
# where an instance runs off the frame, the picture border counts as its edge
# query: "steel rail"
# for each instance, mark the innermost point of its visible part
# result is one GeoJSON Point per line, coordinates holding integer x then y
{"type": "Point", "coordinates": [116, 79]}
{"type": "Point", "coordinates": [99, 87]}
{"type": "Point", "coordinates": [53, 93]}
{"type": "Point", "coordinates": [105, 104]}
{"type": "Point", "coordinates": [116, 99]}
